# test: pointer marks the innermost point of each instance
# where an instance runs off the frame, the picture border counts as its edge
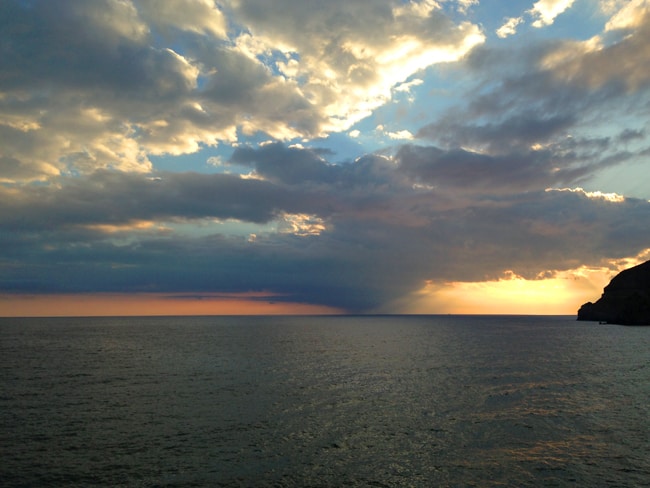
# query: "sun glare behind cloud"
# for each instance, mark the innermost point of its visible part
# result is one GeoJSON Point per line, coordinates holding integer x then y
{"type": "Point", "coordinates": [560, 295]}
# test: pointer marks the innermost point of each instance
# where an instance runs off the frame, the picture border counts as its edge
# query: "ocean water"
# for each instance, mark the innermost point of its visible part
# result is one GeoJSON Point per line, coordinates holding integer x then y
{"type": "Point", "coordinates": [375, 401]}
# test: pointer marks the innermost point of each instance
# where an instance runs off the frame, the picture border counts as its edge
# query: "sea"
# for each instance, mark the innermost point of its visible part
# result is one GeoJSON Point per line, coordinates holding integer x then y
{"type": "Point", "coordinates": [327, 401]}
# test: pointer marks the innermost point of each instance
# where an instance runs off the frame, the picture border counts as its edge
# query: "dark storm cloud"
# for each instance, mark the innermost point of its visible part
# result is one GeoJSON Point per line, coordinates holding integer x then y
{"type": "Point", "coordinates": [384, 233]}
{"type": "Point", "coordinates": [461, 170]}
{"type": "Point", "coordinates": [308, 167]}
{"type": "Point", "coordinates": [80, 45]}
{"type": "Point", "coordinates": [360, 265]}
{"type": "Point", "coordinates": [306, 271]}
{"type": "Point", "coordinates": [517, 130]}
{"type": "Point", "coordinates": [290, 165]}
{"type": "Point", "coordinates": [108, 197]}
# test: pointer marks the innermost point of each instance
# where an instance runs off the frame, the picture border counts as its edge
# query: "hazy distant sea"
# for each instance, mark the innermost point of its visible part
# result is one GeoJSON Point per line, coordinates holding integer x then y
{"type": "Point", "coordinates": [324, 401]}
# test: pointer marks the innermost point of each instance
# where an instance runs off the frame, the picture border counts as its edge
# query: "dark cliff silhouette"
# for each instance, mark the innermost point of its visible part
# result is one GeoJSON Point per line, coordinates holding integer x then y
{"type": "Point", "coordinates": [625, 301]}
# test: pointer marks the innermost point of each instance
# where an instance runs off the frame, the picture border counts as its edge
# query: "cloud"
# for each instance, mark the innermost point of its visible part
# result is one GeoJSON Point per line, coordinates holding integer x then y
{"type": "Point", "coordinates": [199, 16]}
{"type": "Point", "coordinates": [79, 76]}
{"type": "Point", "coordinates": [549, 104]}
{"type": "Point", "coordinates": [509, 27]}
{"type": "Point", "coordinates": [465, 5]}
{"type": "Point", "coordinates": [293, 165]}
{"type": "Point", "coordinates": [133, 197]}
{"type": "Point", "coordinates": [355, 235]}
{"type": "Point", "coordinates": [400, 134]}
{"type": "Point", "coordinates": [615, 68]}
{"type": "Point", "coordinates": [458, 170]}
{"type": "Point", "coordinates": [627, 14]}
{"type": "Point", "coordinates": [545, 11]}
{"type": "Point", "coordinates": [352, 54]}
{"type": "Point", "coordinates": [522, 129]}
{"type": "Point", "coordinates": [106, 84]}
{"type": "Point", "coordinates": [302, 225]}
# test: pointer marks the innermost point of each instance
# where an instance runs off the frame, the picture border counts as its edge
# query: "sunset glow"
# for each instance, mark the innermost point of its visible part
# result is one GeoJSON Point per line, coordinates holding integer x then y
{"type": "Point", "coordinates": [515, 295]}
{"type": "Point", "coordinates": [388, 156]}
{"type": "Point", "coordinates": [152, 304]}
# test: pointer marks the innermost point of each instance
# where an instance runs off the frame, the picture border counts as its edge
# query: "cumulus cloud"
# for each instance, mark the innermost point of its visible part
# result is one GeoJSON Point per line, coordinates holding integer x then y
{"type": "Point", "coordinates": [351, 54]}
{"type": "Point", "coordinates": [89, 85]}
{"type": "Point", "coordinates": [81, 79]}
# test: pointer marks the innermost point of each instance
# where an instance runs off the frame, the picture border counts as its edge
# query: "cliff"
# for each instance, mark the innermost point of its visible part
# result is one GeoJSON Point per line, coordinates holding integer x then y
{"type": "Point", "coordinates": [625, 301]}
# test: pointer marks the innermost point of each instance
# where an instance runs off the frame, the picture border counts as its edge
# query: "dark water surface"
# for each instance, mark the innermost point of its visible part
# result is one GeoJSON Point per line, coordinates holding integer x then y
{"type": "Point", "coordinates": [323, 401]}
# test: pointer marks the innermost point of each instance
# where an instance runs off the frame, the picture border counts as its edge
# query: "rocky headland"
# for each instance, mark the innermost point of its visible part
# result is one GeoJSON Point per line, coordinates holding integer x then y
{"type": "Point", "coordinates": [625, 301]}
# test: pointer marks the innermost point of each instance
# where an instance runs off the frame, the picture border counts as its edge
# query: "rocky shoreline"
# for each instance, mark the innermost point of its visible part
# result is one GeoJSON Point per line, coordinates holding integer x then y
{"type": "Point", "coordinates": [625, 301]}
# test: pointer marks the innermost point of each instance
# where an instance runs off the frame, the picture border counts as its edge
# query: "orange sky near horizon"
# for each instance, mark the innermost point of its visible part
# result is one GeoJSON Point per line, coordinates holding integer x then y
{"type": "Point", "coordinates": [92, 305]}
{"type": "Point", "coordinates": [561, 295]}
{"type": "Point", "coordinates": [515, 296]}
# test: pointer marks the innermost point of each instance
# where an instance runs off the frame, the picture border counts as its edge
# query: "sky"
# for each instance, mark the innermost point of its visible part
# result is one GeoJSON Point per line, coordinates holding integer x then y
{"type": "Point", "coordinates": [340, 156]}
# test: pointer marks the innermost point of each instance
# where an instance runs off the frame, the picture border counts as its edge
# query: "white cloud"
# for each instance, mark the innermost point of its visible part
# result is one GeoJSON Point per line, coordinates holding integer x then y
{"type": "Point", "coordinates": [509, 28]}
{"type": "Point", "coordinates": [352, 54]}
{"type": "Point", "coordinates": [543, 14]}
{"type": "Point", "coordinates": [406, 87]}
{"type": "Point", "coordinates": [400, 134]}
{"type": "Point", "coordinates": [545, 11]}
{"type": "Point", "coordinates": [628, 14]}
{"type": "Point", "coordinates": [609, 197]}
